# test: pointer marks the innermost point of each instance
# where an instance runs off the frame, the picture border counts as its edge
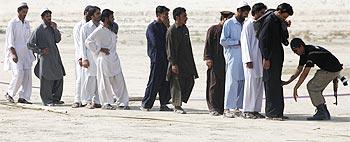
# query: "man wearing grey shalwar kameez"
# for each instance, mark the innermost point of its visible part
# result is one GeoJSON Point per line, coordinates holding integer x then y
{"type": "Point", "coordinates": [49, 68]}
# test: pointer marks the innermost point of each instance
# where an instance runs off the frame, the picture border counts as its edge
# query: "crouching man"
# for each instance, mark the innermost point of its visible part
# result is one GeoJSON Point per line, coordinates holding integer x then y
{"type": "Point", "coordinates": [329, 69]}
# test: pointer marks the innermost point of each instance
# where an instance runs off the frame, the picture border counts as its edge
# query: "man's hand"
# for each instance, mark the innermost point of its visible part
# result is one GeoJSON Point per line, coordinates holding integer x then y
{"type": "Point", "coordinates": [85, 63]}
{"type": "Point", "coordinates": [45, 51]}
{"type": "Point", "coordinates": [209, 63]}
{"type": "Point", "coordinates": [249, 65]}
{"type": "Point", "coordinates": [53, 25]}
{"type": "Point", "coordinates": [15, 58]}
{"type": "Point", "coordinates": [295, 94]}
{"type": "Point", "coordinates": [80, 61]}
{"type": "Point", "coordinates": [266, 64]}
{"type": "Point", "coordinates": [174, 69]}
{"type": "Point", "coordinates": [105, 50]}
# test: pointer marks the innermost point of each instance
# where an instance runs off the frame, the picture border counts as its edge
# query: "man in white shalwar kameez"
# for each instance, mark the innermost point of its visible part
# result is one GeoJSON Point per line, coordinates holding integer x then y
{"type": "Point", "coordinates": [89, 86]}
{"type": "Point", "coordinates": [79, 76]}
{"type": "Point", "coordinates": [110, 79]}
{"type": "Point", "coordinates": [253, 69]}
{"type": "Point", "coordinates": [18, 58]}
{"type": "Point", "coordinates": [230, 40]}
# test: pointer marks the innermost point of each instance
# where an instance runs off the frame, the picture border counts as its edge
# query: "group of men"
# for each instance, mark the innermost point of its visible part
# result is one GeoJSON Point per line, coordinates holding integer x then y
{"type": "Point", "coordinates": [251, 53]}
{"type": "Point", "coordinates": [244, 59]}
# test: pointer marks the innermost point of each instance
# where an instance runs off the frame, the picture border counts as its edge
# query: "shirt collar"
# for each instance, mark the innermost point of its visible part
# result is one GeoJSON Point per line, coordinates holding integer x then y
{"type": "Point", "coordinates": [18, 20]}
{"type": "Point", "coordinates": [90, 23]}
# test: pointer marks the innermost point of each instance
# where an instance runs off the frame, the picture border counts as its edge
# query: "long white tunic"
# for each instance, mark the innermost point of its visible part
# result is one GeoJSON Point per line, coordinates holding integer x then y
{"type": "Point", "coordinates": [86, 53]}
{"type": "Point", "coordinates": [250, 50]}
{"type": "Point", "coordinates": [17, 36]}
{"type": "Point", "coordinates": [102, 37]}
{"type": "Point", "coordinates": [77, 39]}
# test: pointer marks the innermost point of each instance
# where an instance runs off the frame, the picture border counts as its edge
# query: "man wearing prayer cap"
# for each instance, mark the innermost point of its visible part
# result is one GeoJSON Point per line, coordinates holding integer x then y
{"type": "Point", "coordinates": [18, 59]}
{"type": "Point", "coordinates": [49, 68]}
{"type": "Point", "coordinates": [214, 58]}
{"type": "Point", "coordinates": [234, 79]}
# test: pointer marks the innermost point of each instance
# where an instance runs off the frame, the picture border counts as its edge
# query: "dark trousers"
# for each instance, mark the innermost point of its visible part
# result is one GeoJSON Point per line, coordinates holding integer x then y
{"type": "Point", "coordinates": [215, 92]}
{"type": "Point", "coordinates": [274, 91]}
{"type": "Point", "coordinates": [50, 90]}
{"type": "Point", "coordinates": [157, 84]}
{"type": "Point", "coordinates": [181, 89]}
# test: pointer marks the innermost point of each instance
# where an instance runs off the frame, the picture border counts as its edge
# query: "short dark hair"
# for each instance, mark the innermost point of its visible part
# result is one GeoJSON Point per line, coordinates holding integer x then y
{"type": "Point", "coordinates": [178, 11]}
{"type": "Point", "coordinates": [87, 8]}
{"type": "Point", "coordinates": [46, 12]}
{"type": "Point", "coordinates": [161, 9]}
{"type": "Point", "coordinates": [91, 11]}
{"type": "Point", "coordinates": [226, 14]}
{"type": "Point", "coordinates": [258, 7]}
{"type": "Point", "coordinates": [285, 7]}
{"type": "Point", "coordinates": [22, 7]}
{"type": "Point", "coordinates": [244, 8]}
{"type": "Point", "coordinates": [296, 43]}
{"type": "Point", "coordinates": [105, 14]}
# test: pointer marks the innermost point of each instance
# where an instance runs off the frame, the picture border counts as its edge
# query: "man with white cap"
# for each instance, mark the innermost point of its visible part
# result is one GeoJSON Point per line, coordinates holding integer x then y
{"type": "Point", "coordinates": [49, 68]}
{"type": "Point", "coordinates": [252, 62]}
{"type": "Point", "coordinates": [78, 61]}
{"type": "Point", "coordinates": [230, 40]}
{"type": "Point", "coordinates": [18, 59]}
{"type": "Point", "coordinates": [102, 42]}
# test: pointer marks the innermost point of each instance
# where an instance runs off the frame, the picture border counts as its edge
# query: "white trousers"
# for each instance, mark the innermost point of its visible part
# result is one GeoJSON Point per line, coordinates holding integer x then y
{"type": "Point", "coordinates": [79, 77]}
{"type": "Point", "coordinates": [253, 94]}
{"type": "Point", "coordinates": [90, 90]}
{"type": "Point", "coordinates": [113, 85]}
{"type": "Point", "coordinates": [21, 80]}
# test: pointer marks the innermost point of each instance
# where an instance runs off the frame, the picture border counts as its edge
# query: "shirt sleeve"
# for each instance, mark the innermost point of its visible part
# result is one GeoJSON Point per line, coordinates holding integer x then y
{"type": "Point", "coordinates": [83, 47]}
{"type": "Point", "coordinates": [265, 39]}
{"type": "Point", "coordinates": [10, 37]}
{"type": "Point", "coordinates": [57, 35]}
{"type": "Point", "coordinates": [246, 44]}
{"type": "Point", "coordinates": [209, 45]}
{"type": "Point", "coordinates": [305, 61]}
{"type": "Point", "coordinates": [171, 47]}
{"type": "Point", "coordinates": [226, 39]}
{"type": "Point", "coordinates": [91, 43]}
{"type": "Point", "coordinates": [33, 42]}
{"type": "Point", "coordinates": [151, 36]}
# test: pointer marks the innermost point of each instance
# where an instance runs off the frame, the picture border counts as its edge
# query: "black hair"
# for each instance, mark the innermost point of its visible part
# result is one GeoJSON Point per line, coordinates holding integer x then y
{"type": "Point", "coordinates": [244, 8]}
{"type": "Point", "coordinates": [285, 7]}
{"type": "Point", "coordinates": [45, 13]}
{"type": "Point", "coordinates": [87, 8]}
{"type": "Point", "coordinates": [91, 11]}
{"type": "Point", "coordinates": [178, 11]}
{"type": "Point", "coordinates": [296, 43]}
{"type": "Point", "coordinates": [105, 14]}
{"type": "Point", "coordinates": [258, 7]}
{"type": "Point", "coordinates": [226, 15]}
{"type": "Point", "coordinates": [22, 7]}
{"type": "Point", "coordinates": [161, 9]}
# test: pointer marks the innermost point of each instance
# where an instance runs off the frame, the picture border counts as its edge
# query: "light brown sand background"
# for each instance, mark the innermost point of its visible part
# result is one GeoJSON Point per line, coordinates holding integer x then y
{"type": "Point", "coordinates": [321, 22]}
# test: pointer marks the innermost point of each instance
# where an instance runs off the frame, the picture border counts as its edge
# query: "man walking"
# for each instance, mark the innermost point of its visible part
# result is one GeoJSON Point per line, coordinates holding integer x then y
{"type": "Point", "coordinates": [18, 58]}
{"type": "Point", "coordinates": [155, 34]}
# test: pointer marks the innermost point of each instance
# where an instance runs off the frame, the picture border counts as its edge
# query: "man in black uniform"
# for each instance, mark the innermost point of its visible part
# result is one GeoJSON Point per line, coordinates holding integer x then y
{"type": "Point", "coordinates": [329, 70]}
{"type": "Point", "coordinates": [272, 33]}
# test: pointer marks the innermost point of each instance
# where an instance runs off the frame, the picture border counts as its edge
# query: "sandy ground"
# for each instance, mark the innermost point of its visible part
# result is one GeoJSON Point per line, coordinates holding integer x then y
{"type": "Point", "coordinates": [320, 22]}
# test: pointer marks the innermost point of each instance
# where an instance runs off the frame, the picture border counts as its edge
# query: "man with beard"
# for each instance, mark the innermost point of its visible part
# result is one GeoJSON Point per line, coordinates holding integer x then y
{"type": "Point", "coordinates": [18, 59]}
{"type": "Point", "coordinates": [230, 40]}
{"type": "Point", "coordinates": [182, 69]}
{"type": "Point", "coordinates": [79, 76]}
{"type": "Point", "coordinates": [252, 62]}
{"type": "Point", "coordinates": [155, 34]}
{"type": "Point", "coordinates": [214, 58]}
{"type": "Point", "coordinates": [272, 33]}
{"type": "Point", "coordinates": [89, 84]}
{"type": "Point", "coordinates": [110, 80]}
{"type": "Point", "coordinates": [49, 68]}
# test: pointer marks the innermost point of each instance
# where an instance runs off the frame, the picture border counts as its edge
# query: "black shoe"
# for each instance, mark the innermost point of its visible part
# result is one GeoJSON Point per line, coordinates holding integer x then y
{"type": "Point", "coordinates": [258, 115]}
{"type": "Point", "coordinates": [249, 115]}
{"type": "Point", "coordinates": [9, 98]}
{"type": "Point", "coordinates": [23, 101]}
{"type": "Point", "coordinates": [58, 102]}
{"type": "Point", "coordinates": [96, 105]}
{"type": "Point", "coordinates": [165, 108]}
{"type": "Point", "coordinates": [322, 113]}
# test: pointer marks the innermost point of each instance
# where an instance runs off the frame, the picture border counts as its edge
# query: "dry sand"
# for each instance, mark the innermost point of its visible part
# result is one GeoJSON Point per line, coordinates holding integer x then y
{"type": "Point", "coordinates": [321, 22]}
